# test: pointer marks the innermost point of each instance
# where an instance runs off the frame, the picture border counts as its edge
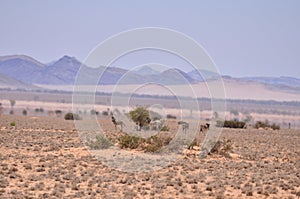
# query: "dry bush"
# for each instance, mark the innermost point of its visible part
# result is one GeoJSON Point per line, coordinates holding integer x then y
{"type": "Point", "coordinates": [151, 144]}
{"type": "Point", "coordinates": [131, 142]}
{"type": "Point", "coordinates": [231, 124]}
{"type": "Point", "coordinates": [72, 116]}
{"type": "Point", "coordinates": [101, 142]}
{"type": "Point", "coordinates": [266, 124]}
{"type": "Point", "coordinates": [169, 116]}
{"type": "Point", "coordinates": [105, 113]}
{"type": "Point", "coordinates": [222, 147]}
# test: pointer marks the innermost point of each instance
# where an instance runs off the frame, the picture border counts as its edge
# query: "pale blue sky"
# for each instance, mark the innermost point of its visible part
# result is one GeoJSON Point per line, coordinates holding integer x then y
{"type": "Point", "coordinates": [244, 38]}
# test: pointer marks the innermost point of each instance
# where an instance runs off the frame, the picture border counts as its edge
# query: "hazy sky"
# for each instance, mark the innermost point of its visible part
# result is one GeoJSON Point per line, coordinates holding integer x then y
{"type": "Point", "coordinates": [244, 38]}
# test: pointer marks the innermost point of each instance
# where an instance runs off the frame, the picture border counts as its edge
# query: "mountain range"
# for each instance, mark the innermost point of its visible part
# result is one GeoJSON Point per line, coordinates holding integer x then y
{"type": "Point", "coordinates": [17, 70]}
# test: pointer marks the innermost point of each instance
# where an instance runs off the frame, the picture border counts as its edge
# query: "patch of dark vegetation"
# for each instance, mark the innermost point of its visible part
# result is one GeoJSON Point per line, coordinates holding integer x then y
{"type": "Point", "coordinates": [266, 124]}
{"type": "Point", "coordinates": [100, 142]}
{"type": "Point", "coordinates": [222, 147]}
{"type": "Point", "coordinates": [130, 141]}
{"type": "Point", "coordinates": [169, 116]}
{"type": "Point", "coordinates": [231, 124]}
{"type": "Point", "coordinates": [152, 144]}
{"type": "Point", "coordinates": [72, 116]}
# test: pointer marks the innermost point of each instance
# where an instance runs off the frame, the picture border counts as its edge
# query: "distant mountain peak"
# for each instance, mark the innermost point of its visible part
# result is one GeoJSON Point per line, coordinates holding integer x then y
{"type": "Point", "coordinates": [21, 57]}
{"type": "Point", "coordinates": [146, 70]}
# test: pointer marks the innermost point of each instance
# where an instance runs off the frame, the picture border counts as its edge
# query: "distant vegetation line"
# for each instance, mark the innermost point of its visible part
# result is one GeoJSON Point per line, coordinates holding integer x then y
{"type": "Point", "coordinates": [201, 99]}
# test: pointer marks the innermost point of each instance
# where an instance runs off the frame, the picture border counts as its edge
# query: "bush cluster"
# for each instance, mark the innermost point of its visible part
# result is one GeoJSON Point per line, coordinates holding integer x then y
{"type": "Point", "coordinates": [231, 124]}
{"type": "Point", "coordinates": [13, 123]}
{"type": "Point", "coordinates": [72, 116]}
{"type": "Point", "coordinates": [266, 124]}
{"type": "Point", "coordinates": [101, 142]}
{"type": "Point", "coordinates": [131, 142]}
{"type": "Point", "coordinates": [105, 113]}
{"type": "Point", "coordinates": [37, 110]}
{"type": "Point", "coordinates": [222, 147]}
{"type": "Point", "coordinates": [151, 144]}
{"type": "Point", "coordinates": [140, 115]}
{"type": "Point", "coordinates": [169, 116]}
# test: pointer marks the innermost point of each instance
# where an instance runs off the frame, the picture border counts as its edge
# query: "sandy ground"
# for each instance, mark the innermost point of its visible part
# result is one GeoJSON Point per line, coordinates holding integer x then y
{"type": "Point", "coordinates": [232, 89]}
{"type": "Point", "coordinates": [43, 157]}
{"type": "Point", "coordinates": [50, 107]}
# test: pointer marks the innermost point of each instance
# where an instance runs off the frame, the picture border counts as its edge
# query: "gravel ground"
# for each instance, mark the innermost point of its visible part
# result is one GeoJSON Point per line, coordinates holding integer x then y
{"type": "Point", "coordinates": [43, 157]}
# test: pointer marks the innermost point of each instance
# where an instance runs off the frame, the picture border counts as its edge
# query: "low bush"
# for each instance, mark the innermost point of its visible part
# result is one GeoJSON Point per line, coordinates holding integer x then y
{"type": "Point", "coordinates": [37, 110]}
{"type": "Point", "coordinates": [24, 112]}
{"type": "Point", "coordinates": [72, 116]}
{"type": "Point", "coordinates": [13, 123]}
{"type": "Point", "coordinates": [275, 126]}
{"type": "Point", "coordinates": [131, 142]}
{"type": "Point", "coordinates": [266, 124]}
{"type": "Point", "coordinates": [222, 147]}
{"type": "Point", "coordinates": [140, 115]}
{"type": "Point", "coordinates": [169, 116]}
{"type": "Point", "coordinates": [101, 142]}
{"type": "Point", "coordinates": [231, 124]}
{"type": "Point", "coordinates": [105, 113]}
{"type": "Point", "coordinates": [58, 112]}
{"type": "Point", "coordinates": [153, 144]}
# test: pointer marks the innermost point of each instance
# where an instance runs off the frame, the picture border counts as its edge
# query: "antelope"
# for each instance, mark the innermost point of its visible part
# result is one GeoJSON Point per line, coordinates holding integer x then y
{"type": "Point", "coordinates": [117, 123]}
{"type": "Point", "coordinates": [184, 125]}
{"type": "Point", "coordinates": [204, 127]}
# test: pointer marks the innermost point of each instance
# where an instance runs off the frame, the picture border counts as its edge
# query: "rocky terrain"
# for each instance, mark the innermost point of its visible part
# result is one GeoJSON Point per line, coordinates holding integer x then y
{"type": "Point", "coordinates": [43, 157]}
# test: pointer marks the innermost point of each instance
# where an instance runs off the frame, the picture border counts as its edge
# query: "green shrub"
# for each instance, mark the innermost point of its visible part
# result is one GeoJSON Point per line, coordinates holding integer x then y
{"type": "Point", "coordinates": [131, 142]}
{"type": "Point", "coordinates": [13, 123]}
{"type": "Point", "coordinates": [266, 124]}
{"type": "Point", "coordinates": [231, 124]}
{"type": "Point", "coordinates": [169, 116]}
{"type": "Point", "coordinates": [101, 142]}
{"type": "Point", "coordinates": [140, 115]}
{"type": "Point", "coordinates": [222, 147]}
{"type": "Point", "coordinates": [165, 128]}
{"type": "Point", "coordinates": [153, 144]}
{"type": "Point", "coordinates": [72, 116]}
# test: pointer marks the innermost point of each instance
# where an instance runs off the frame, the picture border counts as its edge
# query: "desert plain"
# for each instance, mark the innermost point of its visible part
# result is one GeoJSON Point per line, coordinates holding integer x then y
{"type": "Point", "coordinates": [43, 157]}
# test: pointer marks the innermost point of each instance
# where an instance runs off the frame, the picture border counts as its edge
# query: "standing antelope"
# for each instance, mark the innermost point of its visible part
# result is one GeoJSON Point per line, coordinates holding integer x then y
{"type": "Point", "coordinates": [184, 125]}
{"type": "Point", "coordinates": [117, 123]}
{"type": "Point", "coordinates": [204, 127]}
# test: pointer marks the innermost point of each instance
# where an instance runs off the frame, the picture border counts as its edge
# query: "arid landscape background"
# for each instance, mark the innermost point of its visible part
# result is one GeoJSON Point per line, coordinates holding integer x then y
{"type": "Point", "coordinates": [150, 99]}
{"type": "Point", "coordinates": [43, 156]}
